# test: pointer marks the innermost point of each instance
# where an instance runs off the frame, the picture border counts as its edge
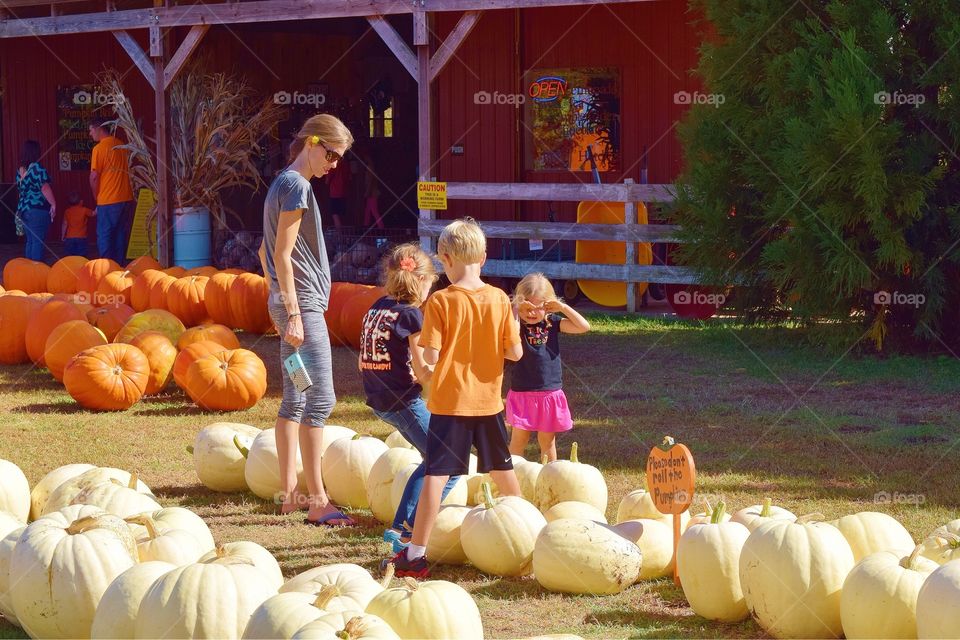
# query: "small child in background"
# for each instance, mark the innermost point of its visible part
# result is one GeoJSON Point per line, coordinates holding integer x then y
{"type": "Point", "coordinates": [74, 230]}
{"type": "Point", "coordinates": [535, 401]}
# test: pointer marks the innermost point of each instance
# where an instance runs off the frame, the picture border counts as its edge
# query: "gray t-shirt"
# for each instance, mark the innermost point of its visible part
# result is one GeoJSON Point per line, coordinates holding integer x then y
{"type": "Point", "coordinates": [290, 191]}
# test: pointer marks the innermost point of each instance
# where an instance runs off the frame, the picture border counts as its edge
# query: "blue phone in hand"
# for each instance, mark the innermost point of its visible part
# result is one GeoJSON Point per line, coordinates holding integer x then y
{"type": "Point", "coordinates": [298, 372]}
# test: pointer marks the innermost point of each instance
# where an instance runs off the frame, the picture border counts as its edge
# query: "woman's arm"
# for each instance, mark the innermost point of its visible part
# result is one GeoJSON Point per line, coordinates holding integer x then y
{"type": "Point", "coordinates": [48, 194]}
{"type": "Point", "coordinates": [288, 226]}
{"type": "Point", "coordinates": [421, 369]}
{"type": "Point", "coordinates": [573, 322]}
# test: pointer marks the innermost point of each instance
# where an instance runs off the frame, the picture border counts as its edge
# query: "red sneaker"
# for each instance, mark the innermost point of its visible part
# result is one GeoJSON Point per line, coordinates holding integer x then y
{"type": "Point", "coordinates": [404, 567]}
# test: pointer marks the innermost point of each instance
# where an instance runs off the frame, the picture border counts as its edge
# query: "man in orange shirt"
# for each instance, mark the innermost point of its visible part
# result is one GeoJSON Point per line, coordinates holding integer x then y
{"type": "Point", "coordinates": [110, 183]}
{"type": "Point", "coordinates": [74, 232]}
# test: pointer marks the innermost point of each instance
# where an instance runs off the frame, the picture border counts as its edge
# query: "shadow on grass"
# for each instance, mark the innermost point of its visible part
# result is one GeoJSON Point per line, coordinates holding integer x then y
{"type": "Point", "coordinates": [66, 407]}
{"type": "Point", "coordinates": [500, 588]}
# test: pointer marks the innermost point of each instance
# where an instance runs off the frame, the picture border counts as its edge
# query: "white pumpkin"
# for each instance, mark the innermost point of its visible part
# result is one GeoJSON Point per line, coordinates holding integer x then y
{"type": "Point", "coordinates": [396, 441]}
{"type": "Point", "coordinates": [251, 552]}
{"type": "Point", "coordinates": [575, 510]}
{"type": "Point", "coordinates": [943, 544]}
{"type": "Point", "coordinates": [563, 480]}
{"type": "Point", "coordinates": [304, 581]}
{"type": "Point", "coordinates": [708, 565]}
{"type": "Point", "coordinates": [655, 540]}
{"type": "Point", "coordinates": [380, 480]}
{"type": "Point", "coordinates": [65, 494]}
{"type": "Point", "coordinates": [116, 614]}
{"type": "Point", "coordinates": [868, 532]}
{"type": "Point", "coordinates": [61, 567]}
{"type": "Point", "coordinates": [582, 556]}
{"type": "Point", "coordinates": [444, 545]}
{"type": "Point", "coordinates": [429, 610]}
{"type": "Point", "coordinates": [113, 497]}
{"type": "Point", "coordinates": [752, 517]}
{"type": "Point", "coordinates": [14, 491]}
{"type": "Point", "coordinates": [527, 474]}
{"type": "Point", "coordinates": [475, 482]}
{"type": "Point", "coordinates": [347, 587]}
{"type": "Point", "coordinates": [638, 505]}
{"type": "Point", "coordinates": [213, 598]}
{"type": "Point", "coordinates": [9, 522]}
{"type": "Point", "coordinates": [938, 615]}
{"type": "Point", "coordinates": [7, 543]}
{"type": "Point", "coordinates": [48, 483]}
{"type": "Point", "coordinates": [498, 536]}
{"type": "Point", "coordinates": [280, 616]}
{"type": "Point", "coordinates": [457, 495]}
{"type": "Point", "coordinates": [346, 465]}
{"type": "Point", "coordinates": [217, 459]}
{"type": "Point", "coordinates": [349, 626]}
{"type": "Point", "coordinates": [879, 598]}
{"type": "Point", "coordinates": [792, 575]}
{"type": "Point", "coordinates": [177, 547]}
{"type": "Point", "coordinates": [705, 517]}
{"type": "Point", "coordinates": [334, 432]}
{"type": "Point", "coordinates": [262, 470]}
{"type": "Point", "coordinates": [176, 518]}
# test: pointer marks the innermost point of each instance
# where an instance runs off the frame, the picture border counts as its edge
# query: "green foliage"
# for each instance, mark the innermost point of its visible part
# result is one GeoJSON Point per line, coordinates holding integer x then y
{"type": "Point", "coordinates": [828, 171]}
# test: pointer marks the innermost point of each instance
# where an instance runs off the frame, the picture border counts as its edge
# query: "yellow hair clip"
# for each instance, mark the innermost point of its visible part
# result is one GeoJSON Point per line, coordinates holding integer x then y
{"type": "Point", "coordinates": [315, 139]}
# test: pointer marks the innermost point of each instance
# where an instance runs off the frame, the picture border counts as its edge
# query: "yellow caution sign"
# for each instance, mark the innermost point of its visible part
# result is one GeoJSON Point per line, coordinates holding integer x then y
{"type": "Point", "coordinates": [139, 244]}
{"type": "Point", "coordinates": [432, 195]}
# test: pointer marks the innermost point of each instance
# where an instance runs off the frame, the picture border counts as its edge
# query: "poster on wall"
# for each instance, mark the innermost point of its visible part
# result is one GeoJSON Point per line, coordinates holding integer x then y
{"type": "Point", "coordinates": [568, 110]}
{"type": "Point", "coordinates": [75, 106]}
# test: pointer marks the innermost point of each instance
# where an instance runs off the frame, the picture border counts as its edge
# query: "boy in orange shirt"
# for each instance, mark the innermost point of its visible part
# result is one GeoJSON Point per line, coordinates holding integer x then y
{"type": "Point", "coordinates": [468, 330]}
{"type": "Point", "coordinates": [74, 231]}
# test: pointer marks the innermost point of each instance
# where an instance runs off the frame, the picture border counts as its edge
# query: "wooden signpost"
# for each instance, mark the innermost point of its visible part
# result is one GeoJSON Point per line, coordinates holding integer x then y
{"type": "Point", "coordinates": [671, 476]}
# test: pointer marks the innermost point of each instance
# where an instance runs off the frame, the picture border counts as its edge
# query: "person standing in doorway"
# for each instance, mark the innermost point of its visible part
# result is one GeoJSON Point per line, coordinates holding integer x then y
{"type": "Point", "coordinates": [112, 192]}
{"type": "Point", "coordinates": [36, 205]}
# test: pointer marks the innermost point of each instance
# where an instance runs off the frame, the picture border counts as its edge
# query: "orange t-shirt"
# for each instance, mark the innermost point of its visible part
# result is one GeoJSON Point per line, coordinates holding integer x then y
{"type": "Point", "coordinates": [471, 329]}
{"type": "Point", "coordinates": [76, 218]}
{"type": "Point", "coordinates": [111, 167]}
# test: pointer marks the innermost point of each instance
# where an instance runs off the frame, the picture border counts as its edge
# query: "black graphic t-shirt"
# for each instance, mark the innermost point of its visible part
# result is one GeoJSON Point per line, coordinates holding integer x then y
{"type": "Point", "coordinates": [540, 368]}
{"type": "Point", "coordinates": [385, 364]}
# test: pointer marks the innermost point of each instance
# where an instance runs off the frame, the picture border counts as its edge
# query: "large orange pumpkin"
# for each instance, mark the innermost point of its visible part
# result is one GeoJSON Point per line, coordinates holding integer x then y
{"type": "Point", "coordinates": [111, 377]}
{"type": "Point", "coordinates": [352, 313]}
{"type": "Point", "coordinates": [92, 272]}
{"type": "Point", "coordinates": [214, 332]}
{"type": "Point", "coordinates": [42, 323]}
{"type": "Point", "coordinates": [66, 341]}
{"type": "Point", "coordinates": [233, 271]}
{"type": "Point", "coordinates": [159, 291]}
{"type": "Point", "coordinates": [161, 355]}
{"type": "Point", "coordinates": [151, 320]}
{"type": "Point", "coordinates": [63, 274]}
{"type": "Point", "coordinates": [227, 381]}
{"type": "Point", "coordinates": [248, 303]}
{"type": "Point", "coordinates": [340, 292]}
{"type": "Point", "coordinates": [15, 313]}
{"type": "Point", "coordinates": [142, 286]}
{"type": "Point", "coordinates": [114, 288]}
{"type": "Point", "coordinates": [191, 354]}
{"type": "Point", "coordinates": [143, 263]}
{"type": "Point", "coordinates": [216, 297]}
{"type": "Point", "coordinates": [110, 319]}
{"type": "Point", "coordinates": [27, 275]}
{"type": "Point", "coordinates": [207, 271]}
{"type": "Point", "coordinates": [185, 299]}
{"type": "Point", "coordinates": [175, 272]}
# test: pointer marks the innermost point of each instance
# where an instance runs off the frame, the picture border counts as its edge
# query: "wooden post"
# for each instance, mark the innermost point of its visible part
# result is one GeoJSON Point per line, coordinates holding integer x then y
{"type": "Point", "coordinates": [421, 40]}
{"type": "Point", "coordinates": [630, 218]}
{"type": "Point", "coordinates": [164, 228]}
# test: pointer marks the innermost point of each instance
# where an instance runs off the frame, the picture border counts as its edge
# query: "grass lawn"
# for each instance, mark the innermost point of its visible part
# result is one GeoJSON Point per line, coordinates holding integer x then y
{"type": "Point", "coordinates": [764, 413]}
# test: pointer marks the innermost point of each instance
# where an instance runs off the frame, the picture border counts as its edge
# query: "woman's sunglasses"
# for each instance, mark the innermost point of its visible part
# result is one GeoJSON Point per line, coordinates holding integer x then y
{"type": "Point", "coordinates": [332, 156]}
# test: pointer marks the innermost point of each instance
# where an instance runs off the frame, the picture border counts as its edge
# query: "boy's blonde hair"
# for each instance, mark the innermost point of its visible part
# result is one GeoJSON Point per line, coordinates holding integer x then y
{"type": "Point", "coordinates": [463, 240]}
{"type": "Point", "coordinates": [329, 129]}
{"type": "Point", "coordinates": [533, 285]}
{"type": "Point", "coordinates": [405, 267]}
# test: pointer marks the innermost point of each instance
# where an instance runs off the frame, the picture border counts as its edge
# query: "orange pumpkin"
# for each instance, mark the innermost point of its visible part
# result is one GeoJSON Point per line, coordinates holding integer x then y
{"type": "Point", "coordinates": [27, 275]}
{"type": "Point", "coordinates": [340, 292]}
{"type": "Point", "coordinates": [66, 341]}
{"type": "Point", "coordinates": [161, 355]}
{"type": "Point", "coordinates": [111, 377]}
{"type": "Point", "coordinates": [143, 263]}
{"type": "Point", "coordinates": [110, 319]}
{"type": "Point", "coordinates": [151, 320]}
{"type": "Point", "coordinates": [92, 272]}
{"type": "Point", "coordinates": [114, 288]}
{"type": "Point", "coordinates": [63, 274]}
{"type": "Point", "coordinates": [42, 323]}
{"type": "Point", "coordinates": [159, 291]}
{"type": "Point", "coordinates": [213, 332]}
{"type": "Point", "coordinates": [352, 313]}
{"type": "Point", "coordinates": [207, 271]}
{"type": "Point", "coordinates": [142, 286]}
{"type": "Point", "coordinates": [191, 354]}
{"type": "Point", "coordinates": [15, 313]}
{"type": "Point", "coordinates": [185, 299]}
{"type": "Point", "coordinates": [175, 272]}
{"type": "Point", "coordinates": [248, 303]}
{"type": "Point", "coordinates": [230, 380]}
{"type": "Point", "coordinates": [216, 297]}
{"type": "Point", "coordinates": [233, 271]}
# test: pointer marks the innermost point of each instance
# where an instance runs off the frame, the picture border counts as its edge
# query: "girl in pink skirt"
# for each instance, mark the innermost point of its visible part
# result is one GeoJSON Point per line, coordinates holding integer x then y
{"type": "Point", "coordinates": [535, 401]}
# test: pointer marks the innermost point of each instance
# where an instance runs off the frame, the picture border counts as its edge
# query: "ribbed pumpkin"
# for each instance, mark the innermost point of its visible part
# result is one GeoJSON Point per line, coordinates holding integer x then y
{"type": "Point", "coordinates": [114, 288]}
{"type": "Point", "coordinates": [380, 480]}
{"type": "Point", "coordinates": [445, 545]}
{"type": "Point", "coordinates": [151, 320]}
{"type": "Point", "coordinates": [262, 470]}
{"type": "Point", "coordinates": [185, 299]}
{"type": "Point", "coordinates": [191, 354]}
{"type": "Point", "coordinates": [161, 354]}
{"type": "Point", "coordinates": [582, 556]}
{"type": "Point", "coordinates": [498, 536]}
{"type": "Point", "coordinates": [563, 480]}
{"type": "Point", "coordinates": [217, 298]}
{"type": "Point", "coordinates": [26, 275]}
{"type": "Point", "coordinates": [353, 586]}
{"type": "Point", "coordinates": [143, 263]}
{"type": "Point", "coordinates": [123, 501]}
{"type": "Point", "coordinates": [175, 271]}
{"type": "Point", "coordinates": [638, 504]}
{"type": "Point", "coordinates": [159, 291]}
{"type": "Point", "coordinates": [248, 303]}
{"type": "Point", "coordinates": [655, 541]}
{"type": "Point", "coordinates": [110, 319]}
{"type": "Point", "coordinates": [176, 546]}
{"type": "Point", "coordinates": [753, 516]}
{"type": "Point", "coordinates": [68, 490]}
{"type": "Point", "coordinates": [62, 277]}
{"type": "Point", "coordinates": [206, 271]}
{"type": "Point", "coordinates": [230, 380]}
{"type": "Point", "coordinates": [346, 465]}
{"type": "Point", "coordinates": [352, 313]}
{"type": "Point", "coordinates": [340, 292]}
{"type": "Point", "coordinates": [111, 377]}
{"type": "Point", "coordinates": [43, 321]}
{"type": "Point", "coordinates": [431, 609]}
{"type": "Point", "coordinates": [938, 615]}
{"type": "Point", "coordinates": [15, 313]}
{"type": "Point", "coordinates": [7, 544]}
{"type": "Point", "coordinates": [943, 544]}
{"type": "Point", "coordinates": [253, 552]}
{"type": "Point", "coordinates": [213, 332]}
{"type": "Point", "coordinates": [117, 612]}
{"type": "Point", "coordinates": [869, 531]}
{"type": "Point", "coordinates": [92, 272]}
{"type": "Point", "coordinates": [49, 483]}
{"type": "Point", "coordinates": [142, 286]}
{"type": "Point", "coordinates": [216, 459]}
{"type": "Point", "coordinates": [66, 341]}
{"type": "Point", "coordinates": [14, 491]}
{"type": "Point", "coordinates": [176, 518]}
{"type": "Point", "coordinates": [575, 510]}
{"type": "Point", "coordinates": [282, 615]}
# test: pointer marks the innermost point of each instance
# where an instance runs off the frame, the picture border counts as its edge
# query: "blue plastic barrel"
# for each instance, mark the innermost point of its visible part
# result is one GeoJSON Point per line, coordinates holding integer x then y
{"type": "Point", "coordinates": [191, 237]}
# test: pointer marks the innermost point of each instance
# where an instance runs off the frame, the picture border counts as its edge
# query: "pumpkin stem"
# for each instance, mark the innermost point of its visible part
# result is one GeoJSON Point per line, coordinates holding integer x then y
{"type": "Point", "coordinates": [221, 551]}
{"type": "Point", "coordinates": [410, 583]}
{"type": "Point", "coordinates": [668, 442]}
{"type": "Point", "coordinates": [83, 524]}
{"type": "Point", "coordinates": [717, 516]}
{"type": "Point", "coordinates": [245, 452]}
{"type": "Point", "coordinates": [487, 495]}
{"type": "Point", "coordinates": [357, 436]}
{"type": "Point", "coordinates": [355, 628]}
{"type": "Point", "coordinates": [190, 449]}
{"type": "Point", "coordinates": [909, 561]}
{"type": "Point", "coordinates": [388, 576]}
{"type": "Point", "coordinates": [147, 522]}
{"type": "Point", "coordinates": [765, 509]}
{"type": "Point", "coordinates": [544, 459]}
{"type": "Point", "coordinates": [325, 595]}
{"type": "Point", "coordinates": [940, 540]}
{"type": "Point", "coordinates": [134, 480]}
{"type": "Point", "coordinates": [573, 453]}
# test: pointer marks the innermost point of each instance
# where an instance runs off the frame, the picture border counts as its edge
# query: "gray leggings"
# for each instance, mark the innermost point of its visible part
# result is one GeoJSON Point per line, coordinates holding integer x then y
{"type": "Point", "coordinates": [313, 406]}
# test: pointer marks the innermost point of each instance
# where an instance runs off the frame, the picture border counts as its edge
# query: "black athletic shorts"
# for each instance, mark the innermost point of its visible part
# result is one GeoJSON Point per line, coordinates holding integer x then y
{"type": "Point", "coordinates": [449, 440]}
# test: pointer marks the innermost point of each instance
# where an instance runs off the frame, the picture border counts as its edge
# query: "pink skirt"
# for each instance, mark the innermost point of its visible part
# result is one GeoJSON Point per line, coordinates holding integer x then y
{"type": "Point", "coordinates": [538, 411]}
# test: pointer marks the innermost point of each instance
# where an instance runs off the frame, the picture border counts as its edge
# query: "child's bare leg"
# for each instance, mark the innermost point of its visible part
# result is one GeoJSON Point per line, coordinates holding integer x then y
{"type": "Point", "coordinates": [518, 441]}
{"type": "Point", "coordinates": [507, 484]}
{"type": "Point", "coordinates": [428, 508]}
{"type": "Point", "coordinates": [548, 444]}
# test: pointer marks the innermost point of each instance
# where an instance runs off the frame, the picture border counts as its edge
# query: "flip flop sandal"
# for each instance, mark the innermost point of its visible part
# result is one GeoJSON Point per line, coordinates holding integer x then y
{"type": "Point", "coordinates": [324, 521]}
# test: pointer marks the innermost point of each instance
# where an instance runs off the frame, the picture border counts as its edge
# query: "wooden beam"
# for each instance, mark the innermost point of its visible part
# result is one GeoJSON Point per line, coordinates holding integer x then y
{"type": "Point", "coordinates": [565, 231]}
{"type": "Point", "coordinates": [187, 47]}
{"type": "Point", "coordinates": [424, 121]}
{"type": "Point", "coordinates": [136, 54]}
{"type": "Point", "coordinates": [561, 192]}
{"type": "Point", "coordinates": [14, 4]}
{"type": "Point", "coordinates": [445, 53]}
{"type": "Point", "coordinates": [163, 199]}
{"type": "Point", "coordinates": [395, 43]}
{"type": "Point", "coordinates": [630, 221]}
{"type": "Point", "coordinates": [584, 271]}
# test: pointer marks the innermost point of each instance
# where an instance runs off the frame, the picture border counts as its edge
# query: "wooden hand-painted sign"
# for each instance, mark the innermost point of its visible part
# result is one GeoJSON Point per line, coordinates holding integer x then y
{"type": "Point", "coordinates": [671, 478]}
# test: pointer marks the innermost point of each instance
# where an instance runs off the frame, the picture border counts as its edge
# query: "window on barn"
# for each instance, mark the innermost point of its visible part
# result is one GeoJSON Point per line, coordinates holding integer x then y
{"type": "Point", "coordinates": [381, 124]}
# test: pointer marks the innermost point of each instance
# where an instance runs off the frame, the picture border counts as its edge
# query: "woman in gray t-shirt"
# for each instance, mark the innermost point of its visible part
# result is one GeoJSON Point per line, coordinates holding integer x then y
{"type": "Point", "coordinates": [295, 264]}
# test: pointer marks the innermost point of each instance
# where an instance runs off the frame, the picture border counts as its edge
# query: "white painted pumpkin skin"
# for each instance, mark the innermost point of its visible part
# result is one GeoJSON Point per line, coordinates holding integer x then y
{"type": "Point", "coordinates": [117, 499]}
{"type": "Point", "coordinates": [60, 568]}
{"type": "Point", "coordinates": [280, 616]}
{"type": "Point", "coordinates": [306, 580]}
{"type": "Point", "coordinates": [431, 610]}
{"type": "Point", "coordinates": [498, 536]}
{"type": "Point", "coordinates": [217, 460]}
{"type": "Point", "coordinates": [117, 612]}
{"type": "Point", "coordinates": [48, 483]}
{"type": "Point", "coordinates": [262, 469]}
{"type": "Point", "coordinates": [346, 465]}
{"type": "Point", "coordinates": [527, 474]}
{"type": "Point", "coordinates": [252, 552]}
{"type": "Point", "coordinates": [792, 575]}
{"type": "Point", "coordinates": [176, 547]}
{"type": "Point", "coordinates": [868, 532]}
{"type": "Point", "coordinates": [326, 626]}
{"type": "Point", "coordinates": [457, 495]}
{"type": "Point", "coordinates": [445, 545]}
{"type": "Point", "coordinates": [14, 491]}
{"type": "Point", "coordinates": [582, 556]}
{"type": "Point", "coordinates": [396, 441]}
{"type": "Point", "coordinates": [563, 480]}
{"type": "Point", "coordinates": [575, 510]}
{"type": "Point", "coordinates": [7, 543]}
{"type": "Point", "coordinates": [9, 522]}
{"type": "Point", "coordinates": [938, 615]}
{"type": "Point", "coordinates": [176, 518]}
{"type": "Point", "coordinates": [380, 480]}
{"type": "Point", "coordinates": [753, 516]}
{"type": "Point", "coordinates": [346, 587]}
{"type": "Point", "coordinates": [351, 625]}
{"type": "Point", "coordinates": [64, 495]}
{"type": "Point", "coordinates": [943, 544]}
{"type": "Point", "coordinates": [879, 598]}
{"type": "Point", "coordinates": [334, 432]}
{"type": "Point", "coordinates": [655, 540]}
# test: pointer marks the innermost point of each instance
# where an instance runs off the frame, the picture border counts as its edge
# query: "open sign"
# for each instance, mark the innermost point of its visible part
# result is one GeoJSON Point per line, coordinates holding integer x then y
{"type": "Point", "coordinates": [547, 89]}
